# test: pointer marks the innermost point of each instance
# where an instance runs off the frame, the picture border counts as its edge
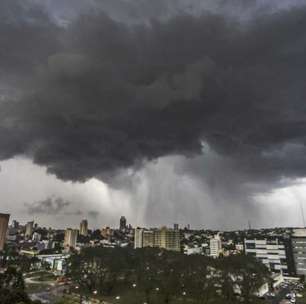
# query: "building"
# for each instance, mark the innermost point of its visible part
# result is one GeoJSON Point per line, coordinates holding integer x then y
{"type": "Point", "coordinates": [84, 228]}
{"type": "Point", "coordinates": [29, 229]}
{"type": "Point", "coordinates": [122, 226]}
{"type": "Point", "coordinates": [138, 238]}
{"type": "Point", "coordinates": [215, 246]}
{"type": "Point", "coordinates": [71, 236]}
{"type": "Point", "coordinates": [107, 233]}
{"type": "Point", "coordinates": [148, 238]}
{"type": "Point", "coordinates": [15, 224]}
{"type": "Point", "coordinates": [166, 238]}
{"type": "Point", "coordinates": [176, 226]}
{"type": "Point", "coordinates": [271, 252]}
{"type": "Point", "coordinates": [298, 242]}
{"type": "Point", "coordinates": [4, 220]}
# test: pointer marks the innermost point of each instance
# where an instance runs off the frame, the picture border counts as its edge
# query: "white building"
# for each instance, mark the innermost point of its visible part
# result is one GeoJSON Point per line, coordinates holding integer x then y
{"type": "Point", "coordinates": [271, 253]}
{"type": "Point", "coordinates": [298, 242]}
{"type": "Point", "coordinates": [138, 238]}
{"type": "Point", "coordinates": [215, 246]}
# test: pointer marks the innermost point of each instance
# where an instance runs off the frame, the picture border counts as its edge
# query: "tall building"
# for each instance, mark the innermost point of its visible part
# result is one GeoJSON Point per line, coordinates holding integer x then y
{"type": "Point", "coordinates": [138, 238]}
{"type": "Point", "coordinates": [167, 238]}
{"type": "Point", "coordinates": [29, 229]}
{"type": "Point", "coordinates": [122, 225]}
{"type": "Point", "coordinates": [215, 246]}
{"type": "Point", "coordinates": [84, 228]}
{"type": "Point", "coordinates": [298, 241]}
{"type": "Point", "coordinates": [71, 236]}
{"type": "Point", "coordinates": [4, 219]}
{"type": "Point", "coordinates": [176, 226]}
{"type": "Point", "coordinates": [15, 224]}
{"type": "Point", "coordinates": [148, 238]}
{"type": "Point", "coordinates": [271, 252]}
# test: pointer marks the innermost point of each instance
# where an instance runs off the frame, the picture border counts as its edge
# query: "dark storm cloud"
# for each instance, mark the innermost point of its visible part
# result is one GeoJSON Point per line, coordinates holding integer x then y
{"type": "Point", "coordinates": [50, 206]}
{"type": "Point", "coordinates": [101, 95]}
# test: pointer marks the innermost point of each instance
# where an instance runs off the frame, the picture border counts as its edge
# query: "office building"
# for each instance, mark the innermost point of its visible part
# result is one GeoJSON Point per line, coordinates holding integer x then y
{"type": "Point", "coordinates": [4, 220]}
{"type": "Point", "coordinates": [29, 230]}
{"type": "Point", "coordinates": [176, 226]}
{"type": "Point", "coordinates": [298, 241]}
{"type": "Point", "coordinates": [215, 246]}
{"type": "Point", "coordinates": [84, 228]}
{"type": "Point", "coordinates": [122, 226]}
{"type": "Point", "coordinates": [271, 252]}
{"type": "Point", "coordinates": [71, 236]}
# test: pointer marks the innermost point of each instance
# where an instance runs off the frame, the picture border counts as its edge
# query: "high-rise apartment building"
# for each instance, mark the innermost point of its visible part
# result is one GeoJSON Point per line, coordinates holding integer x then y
{"type": "Point", "coordinates": [84, 228]}
{"type": "Point", "coordinates": [29, 228]}
{"type": "Point", "coordinates": [138, 238]}
{"type": "Point", "coordinates": [71, 236]}
{"type": "Point", "coordinates": [298, 241]}
{"type": "Point", "coordinates": [215, 246]}
{"type": "Point", "coordinates": [148, 238]}
{"type": "Point", "coordinates": [122, 225]}
{"type": "Point", "coordinates": [168, 239]}
{"type": "Point", "coordinates": [4, 219]}
{"type": "Point", "coordinates": [271, 252]}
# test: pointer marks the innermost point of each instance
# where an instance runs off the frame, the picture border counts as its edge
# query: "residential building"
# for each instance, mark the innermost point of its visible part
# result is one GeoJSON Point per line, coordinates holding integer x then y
{"type": "Point", "coordinates": [84, 228]}
{"type": "Point", "coordinates": [29, 229]}
{"type": "Point", "coordinates": [71, 236]}
{"type": "Point", "coordinates": [148, 238]}
{"type": "Point", "coordinates": [166, 238]}
{"type": "Point", "coordinates": [271, 252]}
{"type": "Point", "coordinates": [298, 241]}
{"type": "Point", "coordinates": [4, 219]}
{"type": "Point", "coordinates": [138, 238]}
{"type": "Point", "coordinates": [215, 246]}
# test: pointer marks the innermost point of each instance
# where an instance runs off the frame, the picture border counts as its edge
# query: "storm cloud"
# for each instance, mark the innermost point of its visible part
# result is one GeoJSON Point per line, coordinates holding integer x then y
{"type": "Point", "coordinates": [101, 94]}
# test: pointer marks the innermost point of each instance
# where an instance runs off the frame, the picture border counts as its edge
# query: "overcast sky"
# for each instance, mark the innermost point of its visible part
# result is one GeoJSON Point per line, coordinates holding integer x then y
{"type": "Point", "coordinates": [165, 111]}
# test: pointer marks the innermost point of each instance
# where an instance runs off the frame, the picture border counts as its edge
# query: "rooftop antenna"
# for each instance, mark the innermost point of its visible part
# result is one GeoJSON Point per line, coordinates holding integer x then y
{"type": "Point", "coordinates": [249, 224]}
{"type": "Point", "coordinates": [302, 212]}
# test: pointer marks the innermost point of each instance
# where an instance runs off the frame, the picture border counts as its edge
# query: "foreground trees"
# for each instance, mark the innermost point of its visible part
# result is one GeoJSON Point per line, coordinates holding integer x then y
{"type": "Point", "coordinates": [157, 276]}
{"type": "Point", "coordinates": [12, 288]}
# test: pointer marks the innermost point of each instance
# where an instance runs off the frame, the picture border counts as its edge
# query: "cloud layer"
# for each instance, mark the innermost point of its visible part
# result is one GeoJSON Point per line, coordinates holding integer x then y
{"type": "Point", "coordinates": [114, 88]}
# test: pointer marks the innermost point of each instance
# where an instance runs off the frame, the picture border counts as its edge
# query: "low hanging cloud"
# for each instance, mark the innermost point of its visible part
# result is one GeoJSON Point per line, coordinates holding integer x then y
{"type": "Point", "coordinates": [49, 206]}
{"type": "Point", "coordinates": [99, 96]}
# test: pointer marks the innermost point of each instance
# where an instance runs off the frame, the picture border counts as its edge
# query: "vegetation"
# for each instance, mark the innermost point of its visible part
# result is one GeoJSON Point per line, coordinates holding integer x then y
{"type": "Point", "coordinates": [156, 276]}
{"type": "Point", "coordinates": [12, 288]}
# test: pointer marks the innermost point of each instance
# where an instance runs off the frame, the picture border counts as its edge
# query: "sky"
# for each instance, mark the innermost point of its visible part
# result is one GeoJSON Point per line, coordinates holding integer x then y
{"type": "Point", "coordinates": [184, 111]}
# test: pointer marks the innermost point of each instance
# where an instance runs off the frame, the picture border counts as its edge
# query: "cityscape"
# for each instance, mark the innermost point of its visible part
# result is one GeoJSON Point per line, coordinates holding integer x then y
{"type": "Point", "coordinates": [152, 152]}
{"type": "Point", "coordinates": [47, 258]}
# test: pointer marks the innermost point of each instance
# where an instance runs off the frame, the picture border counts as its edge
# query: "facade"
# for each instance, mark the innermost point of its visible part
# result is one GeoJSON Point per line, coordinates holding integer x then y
{"type": "Point", "coordinates": [4, 219]}
{"type": "Point", "coordinates": [71, 236]}
{"type": "Point", "coordinates": [168, 239]}
{"type": "Point", "coordinates": [122, 225]}
{"type": "Point", "coordinates": [148, 238]}
{"type": "Point", "coordinates": [298, 241]}
{"type": "Point", "coordinates": [29, 229]}
{"type": "Point", "coordinates": [138, 238]}
{"type": "Point", "coordinates": [84, 228]}
{"type": "Point", "coordinates": [215, 246]}
{"type": "Point", "coordinates": [271, 252]}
